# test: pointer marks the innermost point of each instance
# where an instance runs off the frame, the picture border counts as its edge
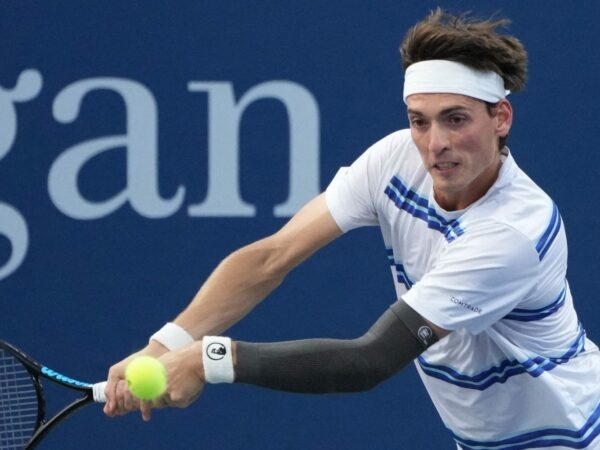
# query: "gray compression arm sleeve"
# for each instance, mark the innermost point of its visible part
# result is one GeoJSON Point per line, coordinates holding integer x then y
{"type": "Point", "coordinates": [333, 365]}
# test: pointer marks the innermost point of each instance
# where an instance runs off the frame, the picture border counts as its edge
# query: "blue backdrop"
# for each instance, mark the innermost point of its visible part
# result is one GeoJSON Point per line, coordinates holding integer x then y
{"type": "Point", "coordinates": [142, 141]}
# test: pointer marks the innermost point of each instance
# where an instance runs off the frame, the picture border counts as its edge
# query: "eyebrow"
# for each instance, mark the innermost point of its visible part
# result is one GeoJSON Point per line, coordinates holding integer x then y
{"type": "Point", "coordinates": [443, 112]}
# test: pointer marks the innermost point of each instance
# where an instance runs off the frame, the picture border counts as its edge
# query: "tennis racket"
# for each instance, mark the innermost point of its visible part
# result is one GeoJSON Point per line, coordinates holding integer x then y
{"type": "Point", "coordinates": [22, 402]}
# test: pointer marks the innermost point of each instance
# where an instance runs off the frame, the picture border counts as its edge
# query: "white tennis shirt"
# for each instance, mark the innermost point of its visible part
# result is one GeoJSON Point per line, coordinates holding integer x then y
{"type": "Point", "coordinates": [518, 371]}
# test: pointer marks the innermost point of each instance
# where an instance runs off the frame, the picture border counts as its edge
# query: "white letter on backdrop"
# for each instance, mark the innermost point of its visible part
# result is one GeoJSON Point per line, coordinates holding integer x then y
{"type": "Point", "coordinates": [224, 115]}
{"type": "Point", "coordinates": [12, 224]}
{"type": "Point", "coordinates": [140, 143]}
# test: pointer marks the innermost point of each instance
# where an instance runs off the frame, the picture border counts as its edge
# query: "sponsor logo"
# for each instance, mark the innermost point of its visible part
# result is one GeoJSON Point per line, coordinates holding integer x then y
{"type": "Point", "coordinates": [60, 377]}
{"type": "Point", "coordinates": [459, 302]}
{"type": "Point", "coordinates": [425, 334]}
{"type": "Point", "coordinates": [216, 351]}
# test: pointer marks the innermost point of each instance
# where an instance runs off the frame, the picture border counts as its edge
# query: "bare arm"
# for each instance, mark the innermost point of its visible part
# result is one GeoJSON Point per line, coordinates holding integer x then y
{"type": "Point", "coordinates": [248, 275]}
{"type": "Point", "coordinates": [240, 282]}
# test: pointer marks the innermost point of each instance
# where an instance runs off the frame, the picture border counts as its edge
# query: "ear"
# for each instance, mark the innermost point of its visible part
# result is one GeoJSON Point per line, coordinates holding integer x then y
{"type": "Point", "coordinates": [504, 116]}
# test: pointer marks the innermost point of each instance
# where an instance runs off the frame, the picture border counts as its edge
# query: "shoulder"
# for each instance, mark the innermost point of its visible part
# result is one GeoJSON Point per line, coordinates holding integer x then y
{"type": "Point", "coordinates": [491, 241]}
{"type": "Point", "coordinates": [395, 153]}
{"type": "Point", "coordinates": [398, 141]}
{"type": "Point", "coordinates": [517, 202]}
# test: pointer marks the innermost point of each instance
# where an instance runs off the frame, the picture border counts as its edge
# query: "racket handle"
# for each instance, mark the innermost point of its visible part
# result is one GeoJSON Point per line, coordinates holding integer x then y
{"type": "Point", "coordinates": [98, 391]}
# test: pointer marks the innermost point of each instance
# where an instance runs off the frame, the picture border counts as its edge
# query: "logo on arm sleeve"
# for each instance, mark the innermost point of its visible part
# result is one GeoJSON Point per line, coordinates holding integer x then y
{"type": "Point", "coordinates": [425, 334]}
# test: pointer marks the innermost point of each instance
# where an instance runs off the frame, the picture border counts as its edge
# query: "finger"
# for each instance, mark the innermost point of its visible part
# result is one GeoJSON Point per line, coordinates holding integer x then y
{"type": "Point", "coordinates": [112, 400]}
{"type": "Point", "coordinates": [146, 410]}
{"type": "Point", "coordinates": [121, 398]}
{"type": "Point", "coordinates": [161, 402]}
{"type": "Point", "coordinates": [110, 391]}
{"type": "Point", "coordinates": [130, 401]}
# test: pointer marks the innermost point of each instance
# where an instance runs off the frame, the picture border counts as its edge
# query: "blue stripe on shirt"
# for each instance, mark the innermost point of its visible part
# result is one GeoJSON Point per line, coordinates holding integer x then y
{"type": "Point", "coordinates": [418, 206]}
{"type": "Point", "coordinates": [535, 367]}
{"type": "Point", "coordinates": [401, 274]}
{"type": "Point", "coordinates": [529, 315]}
{"type": "Point", "coordinates": [544, 438]}
{"type": "Point", "coordinates": [545, 242]}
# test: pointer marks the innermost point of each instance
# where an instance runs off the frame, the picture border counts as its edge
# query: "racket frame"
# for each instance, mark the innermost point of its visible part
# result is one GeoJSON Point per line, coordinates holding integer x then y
{"type": "Point", "coordinates": [37, 370]}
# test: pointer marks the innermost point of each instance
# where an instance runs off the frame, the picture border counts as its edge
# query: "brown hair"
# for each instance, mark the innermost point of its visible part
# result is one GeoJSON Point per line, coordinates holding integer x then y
{"type": "Point", "coordinates": [474, 43]}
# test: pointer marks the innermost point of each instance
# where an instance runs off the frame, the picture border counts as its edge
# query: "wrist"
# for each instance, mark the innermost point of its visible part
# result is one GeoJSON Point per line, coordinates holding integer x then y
{"type": "Point", "coordinates": [195, 356]}
{"type": "Point", "coordinates": [155, 348]}
{"type": "Point", "coordinates": [172, 336]}
{"type": "Point", "coordinates": [217, 359]}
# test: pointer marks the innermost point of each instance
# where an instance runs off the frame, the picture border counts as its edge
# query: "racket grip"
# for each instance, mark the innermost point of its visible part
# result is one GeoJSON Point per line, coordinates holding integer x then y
{"type": "Point", "coordinates": [98, 391]}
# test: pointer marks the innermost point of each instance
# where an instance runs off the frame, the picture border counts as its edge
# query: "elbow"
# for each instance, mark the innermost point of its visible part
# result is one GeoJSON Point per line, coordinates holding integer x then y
{"type": "Point", "coordinates": [260, 259]}
{"type": "Point", "coordinates": [361, 378]}
{"type": "Point", "coordinates": [362, 384]}
{"type": "Point", "coordinates": [268, 258]}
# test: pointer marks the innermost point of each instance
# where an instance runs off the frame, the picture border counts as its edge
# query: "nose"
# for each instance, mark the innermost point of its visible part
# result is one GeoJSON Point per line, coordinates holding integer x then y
{"type": "Point", "coordinates": [438, 138]}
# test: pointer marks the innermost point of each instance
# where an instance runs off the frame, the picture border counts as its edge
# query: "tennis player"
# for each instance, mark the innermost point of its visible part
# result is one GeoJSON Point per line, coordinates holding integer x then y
{"type": "Point", "coordinates": [478, 255]}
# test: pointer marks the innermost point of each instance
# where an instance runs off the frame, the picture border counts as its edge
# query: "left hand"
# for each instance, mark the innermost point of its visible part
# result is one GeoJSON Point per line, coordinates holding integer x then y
{"type": "Point", "coordinates": [185, 379]}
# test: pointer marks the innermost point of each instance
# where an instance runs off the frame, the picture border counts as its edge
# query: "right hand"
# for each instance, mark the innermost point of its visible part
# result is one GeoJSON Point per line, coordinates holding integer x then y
{"type": "Point", "coordinates": [119, 401]}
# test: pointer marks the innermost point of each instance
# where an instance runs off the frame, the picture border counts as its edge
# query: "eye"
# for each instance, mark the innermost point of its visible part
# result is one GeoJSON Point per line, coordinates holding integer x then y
{"type": "Point", "coordinates": [456, 119]}
{"type": "Point", "coordinates": [417, 122]}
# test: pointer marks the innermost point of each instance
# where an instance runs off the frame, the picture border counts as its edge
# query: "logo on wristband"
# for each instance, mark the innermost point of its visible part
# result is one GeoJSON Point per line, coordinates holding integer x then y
{"type": "Point", "coordinates": [216, 351]}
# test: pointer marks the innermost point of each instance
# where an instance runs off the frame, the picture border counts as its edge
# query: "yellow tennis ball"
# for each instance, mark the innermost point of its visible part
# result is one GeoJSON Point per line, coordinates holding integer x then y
{"type": "Point", "coordinates": [146, 377]}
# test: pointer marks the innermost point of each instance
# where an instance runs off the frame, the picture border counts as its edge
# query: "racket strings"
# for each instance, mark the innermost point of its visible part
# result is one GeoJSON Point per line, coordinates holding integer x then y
{"type": "Point", "coordinates": [18, 403]}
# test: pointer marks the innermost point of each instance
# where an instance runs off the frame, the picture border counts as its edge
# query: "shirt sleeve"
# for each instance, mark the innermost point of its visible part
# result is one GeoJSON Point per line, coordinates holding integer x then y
{"type": "Point", "coordinates": [478, 279]}
{"type": "Point", "coordinates": [351, 194]}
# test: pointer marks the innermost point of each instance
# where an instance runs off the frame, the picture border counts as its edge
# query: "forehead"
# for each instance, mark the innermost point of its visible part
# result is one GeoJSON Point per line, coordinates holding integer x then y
{"type": "Point", "coordinates": [431, 104]}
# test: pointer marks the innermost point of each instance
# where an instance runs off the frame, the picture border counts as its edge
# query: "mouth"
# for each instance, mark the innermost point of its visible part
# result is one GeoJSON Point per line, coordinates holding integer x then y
{"type": "Point", "coordinates": [444, 166]}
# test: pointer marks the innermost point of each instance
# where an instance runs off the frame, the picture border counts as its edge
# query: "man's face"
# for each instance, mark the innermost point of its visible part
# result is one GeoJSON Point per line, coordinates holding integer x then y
{"type": "Point", "coordinates": [458, 142]}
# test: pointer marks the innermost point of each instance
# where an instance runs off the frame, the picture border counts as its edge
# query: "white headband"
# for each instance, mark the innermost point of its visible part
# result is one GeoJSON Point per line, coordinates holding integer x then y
{"type": "Point", "coordinates": [449, 77]}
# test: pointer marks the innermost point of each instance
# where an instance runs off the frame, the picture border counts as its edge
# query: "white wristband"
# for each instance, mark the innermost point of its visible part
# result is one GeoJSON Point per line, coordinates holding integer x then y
{"type": "Point", "coordinates": [217, 359]}
{"type": "Point", "coordinates": [172, 336]}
